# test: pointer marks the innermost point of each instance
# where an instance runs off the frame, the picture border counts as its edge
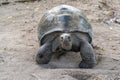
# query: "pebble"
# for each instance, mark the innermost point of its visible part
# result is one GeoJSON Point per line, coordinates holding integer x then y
{"type": "Point", "coordinates": [10, 17]}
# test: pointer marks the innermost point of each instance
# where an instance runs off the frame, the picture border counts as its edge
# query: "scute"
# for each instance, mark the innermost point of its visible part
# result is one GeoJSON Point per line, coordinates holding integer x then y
{"type": "Point", "coordinates": [60, 19]}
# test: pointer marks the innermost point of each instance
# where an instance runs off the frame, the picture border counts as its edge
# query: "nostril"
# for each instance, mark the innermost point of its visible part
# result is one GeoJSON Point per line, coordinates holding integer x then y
{"type": "Point", "coordinates": [69, 38]}
{"type": "Point", "coordinates": [61, 38]}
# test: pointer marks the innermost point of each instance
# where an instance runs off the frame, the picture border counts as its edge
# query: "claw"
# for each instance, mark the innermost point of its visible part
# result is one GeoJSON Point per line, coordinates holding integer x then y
{"type": "Point", "coordinates": [41, 59]}
{"type": "Point", "coordinates": [86, 65]}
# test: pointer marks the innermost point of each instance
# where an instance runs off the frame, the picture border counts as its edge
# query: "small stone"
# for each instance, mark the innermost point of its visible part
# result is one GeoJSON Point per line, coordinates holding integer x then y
{"type": "Point", "coordinates": [26, 2]}
{"type": "Point", "coordinates": [110, 39]}
{"type": "Point", "coordinates": [9, 17]}
{"type": "Point", "coordinates": [117, 21]}
{"type": "Point", "coordinates": [107, 13]}
{"type": "Point", "coordinates": [27, 7]}
{"type": "Point", "coordinates": [111, 28]}
{"type": "Point", "coordinates": [102, 49]}
{"type": "Point", "coordinates": [36, 9]}
{"type": "Point", "coordinates": [13, 21]}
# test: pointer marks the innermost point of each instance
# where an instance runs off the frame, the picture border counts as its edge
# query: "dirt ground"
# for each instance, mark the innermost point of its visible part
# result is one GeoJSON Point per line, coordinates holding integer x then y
{"type": "Point", "coordinates": [19, 43]}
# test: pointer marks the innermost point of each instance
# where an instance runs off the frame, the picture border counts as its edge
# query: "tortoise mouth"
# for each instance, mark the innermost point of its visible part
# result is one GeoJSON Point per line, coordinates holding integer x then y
{"type": "Point", "coordinates": [66, 45]}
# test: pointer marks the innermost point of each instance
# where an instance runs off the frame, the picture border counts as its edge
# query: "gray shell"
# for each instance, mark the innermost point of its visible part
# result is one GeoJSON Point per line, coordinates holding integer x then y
{"type": "Point", "coordinates": [61, 19]}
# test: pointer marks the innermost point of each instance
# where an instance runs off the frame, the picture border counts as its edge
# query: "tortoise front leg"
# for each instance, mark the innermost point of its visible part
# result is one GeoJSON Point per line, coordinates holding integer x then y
{"type": "Point", "coordinates": [44, 54]}
{"type": "Point", "coordinates": [87, 54]}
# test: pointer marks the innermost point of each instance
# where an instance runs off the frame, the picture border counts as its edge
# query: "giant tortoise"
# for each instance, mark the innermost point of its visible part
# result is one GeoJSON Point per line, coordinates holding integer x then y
{"type": "Point", "coordinates": [63, 29]}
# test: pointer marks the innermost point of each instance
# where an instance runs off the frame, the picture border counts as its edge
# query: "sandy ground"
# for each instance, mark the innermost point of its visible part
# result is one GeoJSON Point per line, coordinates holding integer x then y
{"type": "Point", "coordinates": [19, 43]}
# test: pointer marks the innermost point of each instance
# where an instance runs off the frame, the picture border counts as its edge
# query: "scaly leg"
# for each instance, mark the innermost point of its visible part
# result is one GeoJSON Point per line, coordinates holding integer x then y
{"type": "Point", "coordinates": [87, 54]}
{"type": "Point", "coordinates": [44, 54]}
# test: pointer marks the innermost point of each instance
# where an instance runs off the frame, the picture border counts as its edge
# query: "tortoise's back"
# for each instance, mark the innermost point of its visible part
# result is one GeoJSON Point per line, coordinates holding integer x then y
{"type": "Point", "coordinates": [63, 18]}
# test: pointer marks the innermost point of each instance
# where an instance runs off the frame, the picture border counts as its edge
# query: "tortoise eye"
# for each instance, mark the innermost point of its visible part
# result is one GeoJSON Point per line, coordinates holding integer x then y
{"type": "Point", "coordinates": [61, 38]}
{"type": "Point", "coordinates": [69, 38]}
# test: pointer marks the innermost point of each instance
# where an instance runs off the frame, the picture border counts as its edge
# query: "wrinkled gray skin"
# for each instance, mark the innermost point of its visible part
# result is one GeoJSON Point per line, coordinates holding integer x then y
{"type": "Point", "coordinates": [57, 33]}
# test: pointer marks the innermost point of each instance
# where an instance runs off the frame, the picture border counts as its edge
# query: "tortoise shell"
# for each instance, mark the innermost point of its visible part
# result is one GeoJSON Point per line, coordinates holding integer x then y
{"type": "Point", "coordinates": [62, 19]}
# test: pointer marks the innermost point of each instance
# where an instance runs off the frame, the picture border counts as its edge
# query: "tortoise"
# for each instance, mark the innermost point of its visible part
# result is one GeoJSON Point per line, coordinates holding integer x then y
{"type": "Point", "coordinates": [62, 29]}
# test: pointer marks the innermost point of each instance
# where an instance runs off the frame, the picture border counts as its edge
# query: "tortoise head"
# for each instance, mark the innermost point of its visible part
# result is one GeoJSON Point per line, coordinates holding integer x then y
{"type": "Point", "coordinates": [66, 41]}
